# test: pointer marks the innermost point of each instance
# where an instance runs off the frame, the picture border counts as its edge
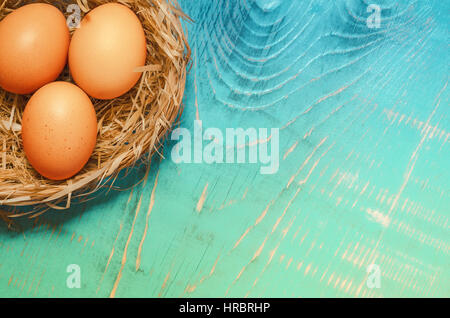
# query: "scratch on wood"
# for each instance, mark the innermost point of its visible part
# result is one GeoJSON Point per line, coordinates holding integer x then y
{"type": "Point", "coordinates": [202, 199]}
{"type": "Point", "coordinates": [164, 284]}
{"type": "Point", "coordinates": [259, 219]}
{"type": "Point", "coordinates": [287, 153]}
{"type": "Point", "coordinates": [306, 161]}
{"type": "Point", "coordinates": [150, 208]}
{"type": "Point", "coordinates": [110, 257]}
{"type": "Point", "coordinates": [124, 257]}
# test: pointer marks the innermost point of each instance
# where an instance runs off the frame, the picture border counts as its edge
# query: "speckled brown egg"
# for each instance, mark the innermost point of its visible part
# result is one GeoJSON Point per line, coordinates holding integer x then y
{"type": "Point", "coordinates": [106, 50]}
{"type": "Point", "coordinates": [34, 43]}
{"type": "Point", "coordinates": [59, 130]}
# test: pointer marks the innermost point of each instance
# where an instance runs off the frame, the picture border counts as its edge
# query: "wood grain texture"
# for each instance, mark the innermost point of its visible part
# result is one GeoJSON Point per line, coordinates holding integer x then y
{"type": "Point", "coordinates": [363, 178]}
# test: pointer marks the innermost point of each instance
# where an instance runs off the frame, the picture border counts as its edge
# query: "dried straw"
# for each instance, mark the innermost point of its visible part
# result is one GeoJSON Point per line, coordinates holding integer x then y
{"type": "Point", "coordinates": [128, 127]}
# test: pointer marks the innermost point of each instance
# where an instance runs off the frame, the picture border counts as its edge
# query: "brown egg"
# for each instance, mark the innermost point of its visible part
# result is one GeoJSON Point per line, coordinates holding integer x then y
{"type": "Point", "coordinates": [59, 130]}
{"type": "Point", "coordinates": [34, 42]}
{"type": "Point", "coordinates": [105, 51]}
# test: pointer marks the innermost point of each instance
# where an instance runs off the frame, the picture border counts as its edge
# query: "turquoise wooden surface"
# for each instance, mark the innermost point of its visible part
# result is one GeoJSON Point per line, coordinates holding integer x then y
{"type": "Point", "coordinates": [363, 177]}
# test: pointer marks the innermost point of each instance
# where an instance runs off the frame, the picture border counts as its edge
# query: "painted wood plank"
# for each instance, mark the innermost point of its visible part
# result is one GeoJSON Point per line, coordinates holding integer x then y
{"type": "Point", "coordinates": [363, 176]}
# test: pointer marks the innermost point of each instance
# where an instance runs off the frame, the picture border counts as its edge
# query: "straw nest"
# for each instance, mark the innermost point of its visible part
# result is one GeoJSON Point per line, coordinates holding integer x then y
{"type": "Point", "coordinates": [130, 128]}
